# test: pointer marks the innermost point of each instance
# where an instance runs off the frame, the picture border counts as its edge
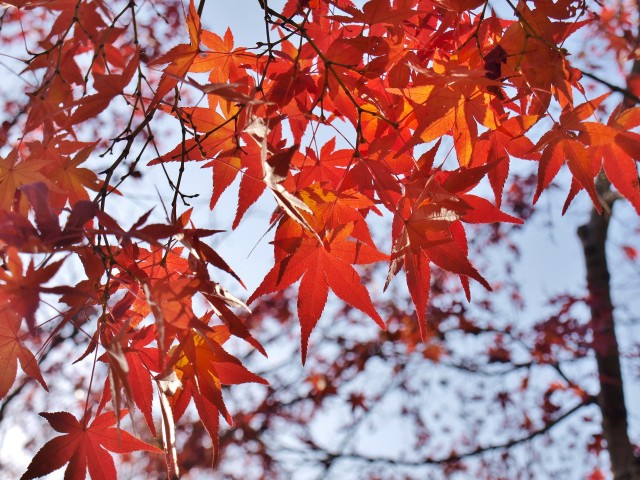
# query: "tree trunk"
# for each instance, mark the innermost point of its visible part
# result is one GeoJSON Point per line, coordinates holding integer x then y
{"type": "Point", "coordinates": [605, 345]}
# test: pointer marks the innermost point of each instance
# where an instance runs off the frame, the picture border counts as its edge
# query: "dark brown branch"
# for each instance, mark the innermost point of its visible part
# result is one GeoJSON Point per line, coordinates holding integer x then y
{"type": "Point", "coordinates": [330, 457]}
{"type": "Point", "coordinates": [614, 88]}
{"type": "Point", "coordinates": [593, 236]}
{"type": "Point", "coordinates": [201, 7]}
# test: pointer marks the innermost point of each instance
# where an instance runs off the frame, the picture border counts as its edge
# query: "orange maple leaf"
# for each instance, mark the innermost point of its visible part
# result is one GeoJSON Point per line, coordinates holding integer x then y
{"type": "Point", "coordinates": [14, 173]}
{"type": "Point", "coordinates": [179, 58]}
{"type": "Point", "coordinates": [203, 366]}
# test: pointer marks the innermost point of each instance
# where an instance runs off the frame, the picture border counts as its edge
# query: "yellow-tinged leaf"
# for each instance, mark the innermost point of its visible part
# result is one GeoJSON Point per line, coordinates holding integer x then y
{"type": "Point", "coordinates": [13, 174]}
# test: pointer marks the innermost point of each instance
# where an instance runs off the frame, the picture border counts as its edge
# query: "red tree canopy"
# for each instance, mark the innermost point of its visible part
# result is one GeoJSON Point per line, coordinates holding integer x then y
{"type": "Point", "coordinates": [357, 118]}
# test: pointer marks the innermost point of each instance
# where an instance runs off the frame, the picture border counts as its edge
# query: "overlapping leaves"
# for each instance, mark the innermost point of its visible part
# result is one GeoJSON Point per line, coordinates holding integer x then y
{"type": "Point", "coordinates": [393, 79]}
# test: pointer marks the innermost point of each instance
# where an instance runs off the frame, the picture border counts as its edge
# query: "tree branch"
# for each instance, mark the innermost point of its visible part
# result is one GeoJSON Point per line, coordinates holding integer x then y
{"type": "Point", "coordinates": [614, 88]}
{"type": "Point", "coordinates": [330, 457]}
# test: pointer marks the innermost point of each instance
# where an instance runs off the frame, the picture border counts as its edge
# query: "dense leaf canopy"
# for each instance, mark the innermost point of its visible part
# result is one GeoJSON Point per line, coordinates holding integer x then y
{"type": "Point", "coordinates": [360, 120]}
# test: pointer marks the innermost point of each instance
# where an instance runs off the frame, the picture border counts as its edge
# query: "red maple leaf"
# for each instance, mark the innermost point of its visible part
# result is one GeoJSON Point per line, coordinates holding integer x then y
{"type": "Point", "coordinates": [107, 88]}
{"type": "Point", "coordinates": [12, 350]}
{"type": "Point", "coordinates": [300, 254]}
{"type": "Point", "coordinates": [23, 289]}
{"type": "Point", "coordinates": [559, 145]}
{"type": "Point", "coordinates": [497, 146]}
{"type": "Point", "coordinates": [617, 148]}
{"type": "Point", "coordinates": [131, 363]}
{"type": "Point", "coordinates": [83, 446]}
{"type": "Point", "coordinates": [428, 228]}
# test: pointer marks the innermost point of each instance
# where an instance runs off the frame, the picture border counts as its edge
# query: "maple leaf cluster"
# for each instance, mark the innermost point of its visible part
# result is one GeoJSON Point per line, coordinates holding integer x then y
{"type": "Point", "coordinates": [419, 100]}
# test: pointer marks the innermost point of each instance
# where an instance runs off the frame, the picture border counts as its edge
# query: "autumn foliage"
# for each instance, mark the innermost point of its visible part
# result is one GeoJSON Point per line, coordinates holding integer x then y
{"type": "Point", "coordinates": [349, 114]}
